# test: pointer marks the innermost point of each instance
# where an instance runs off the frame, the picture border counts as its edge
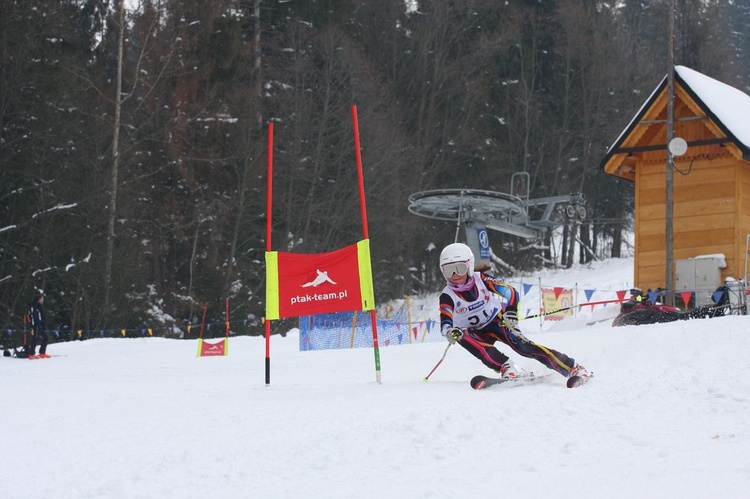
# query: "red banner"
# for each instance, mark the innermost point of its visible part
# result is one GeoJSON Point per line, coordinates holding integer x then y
{"type": "Point", "coordinates": [319, 283]}
{"type": "Point", "coordinates": [207, 349]}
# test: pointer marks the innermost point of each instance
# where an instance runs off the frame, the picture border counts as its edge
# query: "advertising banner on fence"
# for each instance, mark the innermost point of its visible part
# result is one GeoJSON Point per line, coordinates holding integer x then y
{"type": "Point", "coordinates": [555, 299]}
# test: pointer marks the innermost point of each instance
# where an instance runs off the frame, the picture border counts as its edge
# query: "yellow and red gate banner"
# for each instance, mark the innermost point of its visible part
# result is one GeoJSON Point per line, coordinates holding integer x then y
{"type": "Point", "coordinates": [300, 284]}
{"type": "Point", "coordinates": [208, 349]}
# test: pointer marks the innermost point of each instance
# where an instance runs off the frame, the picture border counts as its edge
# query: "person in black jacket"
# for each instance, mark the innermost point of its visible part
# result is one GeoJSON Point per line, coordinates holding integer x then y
{"type": "Point", "coordinates": [38, 330]}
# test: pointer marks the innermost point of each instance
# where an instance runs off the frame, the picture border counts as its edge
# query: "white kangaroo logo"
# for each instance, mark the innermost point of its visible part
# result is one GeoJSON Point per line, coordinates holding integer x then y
{"type": "Point", "coordinates": [322, 277]}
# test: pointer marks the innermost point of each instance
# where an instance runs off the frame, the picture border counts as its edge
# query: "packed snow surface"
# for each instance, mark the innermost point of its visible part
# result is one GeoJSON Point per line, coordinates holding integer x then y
{"type": "Point", "coordinates": [666, 415]}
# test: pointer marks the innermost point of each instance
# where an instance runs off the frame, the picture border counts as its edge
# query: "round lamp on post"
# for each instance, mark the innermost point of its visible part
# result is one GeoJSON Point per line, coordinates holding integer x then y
{"type": "Point", "coordinates": [678, 146]}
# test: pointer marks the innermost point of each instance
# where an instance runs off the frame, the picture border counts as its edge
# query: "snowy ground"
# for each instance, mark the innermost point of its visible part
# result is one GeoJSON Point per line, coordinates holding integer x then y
{"type": "Point", "coordinates": [667, 415]}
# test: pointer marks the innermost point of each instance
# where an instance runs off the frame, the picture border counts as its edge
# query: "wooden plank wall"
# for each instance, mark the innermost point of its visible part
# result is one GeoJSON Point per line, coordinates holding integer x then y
{"type": "Point", "coordinates": [743, 219]}
{"type": "Point", "coordinates": [706, 205]}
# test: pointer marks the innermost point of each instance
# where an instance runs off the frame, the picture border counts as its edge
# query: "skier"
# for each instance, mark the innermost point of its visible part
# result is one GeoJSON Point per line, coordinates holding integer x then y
{"type": "Point", "coordinates": [39, 331]}
{"type": "Point", "coordinates": [477, 310]}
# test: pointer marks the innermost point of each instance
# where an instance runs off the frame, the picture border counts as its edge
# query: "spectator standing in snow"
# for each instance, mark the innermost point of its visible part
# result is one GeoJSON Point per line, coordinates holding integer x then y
{"type": "Point", "coordinates": [477, 310]}
{"type": "Point", "coordinates": [38, 329]}
{"type": "Point", "coordinates": [724, 302]}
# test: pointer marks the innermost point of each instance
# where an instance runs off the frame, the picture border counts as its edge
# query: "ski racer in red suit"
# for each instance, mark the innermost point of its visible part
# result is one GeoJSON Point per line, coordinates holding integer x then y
{"type": "Point", "coordinates": [477, 310]}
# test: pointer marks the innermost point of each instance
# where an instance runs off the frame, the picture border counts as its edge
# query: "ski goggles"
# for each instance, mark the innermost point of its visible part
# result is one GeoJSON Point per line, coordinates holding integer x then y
{"type": "Point", "coordinates": [460, 268]}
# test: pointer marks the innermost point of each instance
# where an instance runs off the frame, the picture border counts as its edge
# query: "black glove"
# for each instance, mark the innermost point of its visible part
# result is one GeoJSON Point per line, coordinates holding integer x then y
{"type": "Point", "coordinates": [454, 335]}
{"type": "Point", "coordinates": [510, 319]}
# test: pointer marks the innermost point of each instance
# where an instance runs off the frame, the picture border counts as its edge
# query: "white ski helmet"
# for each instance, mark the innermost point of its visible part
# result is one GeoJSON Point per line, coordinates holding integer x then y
{"type": "Point", "coordinates": [455, 253]}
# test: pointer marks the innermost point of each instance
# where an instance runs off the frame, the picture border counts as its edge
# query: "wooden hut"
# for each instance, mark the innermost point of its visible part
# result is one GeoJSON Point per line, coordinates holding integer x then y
{"type": "Point", "coordinates": [711, 180]}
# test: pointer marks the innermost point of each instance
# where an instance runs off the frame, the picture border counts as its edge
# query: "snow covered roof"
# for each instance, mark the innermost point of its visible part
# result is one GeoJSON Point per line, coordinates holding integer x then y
{"type": "Point", "coordinates": [729, 106]}
{"type": "Point", "coordinates": [726, 106]}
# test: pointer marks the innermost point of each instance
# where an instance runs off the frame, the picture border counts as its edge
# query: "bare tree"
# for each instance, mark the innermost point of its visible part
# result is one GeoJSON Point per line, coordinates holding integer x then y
{"type": "Point", "coordinates": [114, 172]}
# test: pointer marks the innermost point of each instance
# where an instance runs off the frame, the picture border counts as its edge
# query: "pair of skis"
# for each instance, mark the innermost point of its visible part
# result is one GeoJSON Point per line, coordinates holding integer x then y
{"type": "Point", "coordinates": [482, 382]}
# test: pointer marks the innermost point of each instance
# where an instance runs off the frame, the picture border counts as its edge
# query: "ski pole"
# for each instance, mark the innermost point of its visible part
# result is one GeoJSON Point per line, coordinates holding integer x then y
{"type": "Point", "coordinates": [439, 362]}
{"type": "Point", "coordinates": [549, 313]}
{"type": "Point", "coordinates": [571, 307]}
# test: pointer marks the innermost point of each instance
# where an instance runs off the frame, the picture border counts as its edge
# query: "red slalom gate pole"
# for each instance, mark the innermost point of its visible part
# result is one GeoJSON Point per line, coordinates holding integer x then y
{"type": "Point", "coordinates": [269, 214]}
{"type": "Point", "coordinates": [203, 321]}
{"type": "Point", "coordinates": [366, 235]}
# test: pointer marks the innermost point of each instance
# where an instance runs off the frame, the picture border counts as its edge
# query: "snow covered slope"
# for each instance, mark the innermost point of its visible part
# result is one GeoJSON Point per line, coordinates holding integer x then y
{"type": "Point", "coordinates": [668, 415]}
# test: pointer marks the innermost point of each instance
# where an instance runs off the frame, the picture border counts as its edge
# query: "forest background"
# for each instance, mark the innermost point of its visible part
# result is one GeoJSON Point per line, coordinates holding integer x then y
{"type": "Point", "coordinates": [133, 138]}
